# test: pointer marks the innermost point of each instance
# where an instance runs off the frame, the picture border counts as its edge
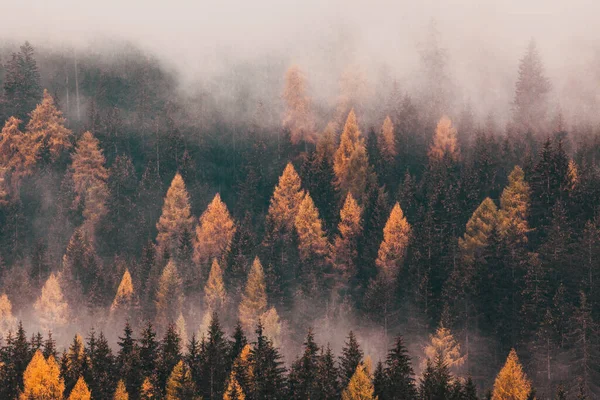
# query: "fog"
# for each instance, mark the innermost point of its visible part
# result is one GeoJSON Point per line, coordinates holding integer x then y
{"type": "Point", "coordinates": [205, 41]}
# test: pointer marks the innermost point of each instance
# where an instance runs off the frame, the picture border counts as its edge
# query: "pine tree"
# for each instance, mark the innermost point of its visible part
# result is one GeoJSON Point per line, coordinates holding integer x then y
{"type": "Point", "coordinates": [121, 391]}
{"type": "Point", "coordinates": [101, 368]}
{"type": "Point", "coordinates": [445, 145]}
{"type": "Point", "coordinates": [22, 87]}
{"type": "Point", "coordinates": [215, 365]}
{"type": "Point", "coordinates": [74, 363]}
{"type": "Point", "coordinates": [242, 370]}
{"type": "Point", "coordinates": [531, 92]}
{"type": "Point", "coordinates": [254, 298]}
{"type": "Point", "coordinates": [344, 252]}
{"type": "Point", "coordinates": [51, 307]}
{"type": "Point", "coordinates": [360, 386]}
{"type": "Point", "coordinates": [396, 236]}
{"type": "Point", "coordinates": [80, 391]}
{"type": "Point", "coordinates": [176, 217]}
{"type": "Point", "coordinates": [398, 382]}
{"type": "Point", "coordinates": [128, 363]}
{"type": "Point", "coordinates": [268, 379]}
{"type": "Point", "coordinates": [90, 180]}
{"type": "Point", "coordinates": [511, 382]}
{"type": "Point", "coordinates": [148, 350]}
{"type": "Point", "coordinates": [215, 296]}
{"type": "Point", "coordinates": [351, 165]}
{"type": "Point", "coordinates": [298, 119]}
{"type": "Point", "coordinates": [351, 358]}
{"type": "Point", "coordinates": [328, 385]}
{"type": "Point", "coordinates": [436, 379]}
{"type": "Point", "coordinates": [303, 376]}
{"type": "Point", "coordinates": [42, 380]}
{"type": "Point", "coordinates": [169, 296]}
{"type": "Point", "coordinates": [214, 233]}
{"type": "Point", "coordinates": [168, 356]}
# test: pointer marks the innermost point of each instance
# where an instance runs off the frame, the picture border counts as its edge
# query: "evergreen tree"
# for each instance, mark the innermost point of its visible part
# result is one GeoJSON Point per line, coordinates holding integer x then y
{"type": "Point", "coordinates": [398, 375]}
{"type": "Point", "coordinates": [268, 380]}
{"type": "Point", "coordinates": [148, 350]}
{"type": "Point", "coordinates": [22, 87]}
{"type": "Point", "coordinates": [303, 375]}
{"type": "Point", "coordinates": [351, 357]}
{"type": "Point", "coordinates": [215, 364]}
{"type": "Point", "coordinates": [128, 364]}
{"type": "Point", "coordinates": [168, 356]}
{"type": "Point", "coordinates": [327, 375]}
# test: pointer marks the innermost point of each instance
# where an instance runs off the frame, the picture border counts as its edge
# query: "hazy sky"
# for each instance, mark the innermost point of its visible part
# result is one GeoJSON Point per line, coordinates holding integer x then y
{"type": "Point", "coordinates": [484, 38]}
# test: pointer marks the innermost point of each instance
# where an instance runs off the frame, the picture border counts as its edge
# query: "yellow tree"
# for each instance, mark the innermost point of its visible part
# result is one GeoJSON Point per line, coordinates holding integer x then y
{"type": "Point", "coordinates": [121, 391]}
{"type": "Point", "coordinates": [147, 390]}
{"type": "Point", "coordinates": [215, 296]}
{"type": "Point", "coordinates": [89, 179]}
{"type": "Point", "coordinates": [51, 307]}
{"type": "Point", "coordinates": [18, 154]}
{"type": "Point", "coordinates": [386, 141]}
{"type": "Point", "coordinates": [396, 236]}
{"type": "Point", "coordinates": [174, 383]}
{"type": "Point", "coordinates": [254, 298]}
{"type": "Point", "coordinates": [312, 242]}
{"type": "Point", "coordinates": [234, 389]}
{"type": "Point", "coordinates": [514, 208]}
{"type": "Point", "coordinates": [8, 322]}
{"type": "Point", "coordinates": [169, 296]}
{"type": "Point", "coordinates": [181, 327]}
{"type": "Point", "coordinates": [350, 163]}
{"type": "Point", "coordinates": [213, 233]}
{"type": "Point", "coordinates": [41, 380]}
{"type": "Point", "coordinates": [512, 382]}
{"type": "Point", "coordinates": [360, 386]}
{"type": "Point", "coordinates": [47, 126]}
{"type": "Point", "coordinates": [124, 299]}
{"type": "Point", "coordinates": [298, 117]}
{"type": "Point", "coordinates": [345, 245]}
{"type": "Point", "coordinates": [444, 143]}
{"type": "Point", "coordinates": [479, 228]}
{"type": "Point", "coordinates": [271, 326]}
{"type": "Point", "coordinates": [176, 216]}
{"type": "Point", "coordinates": [80, 391]}
{"type": "Point", "coordinates": [285, 202]}
{"type": "Point", "coordinates": [444, 345]}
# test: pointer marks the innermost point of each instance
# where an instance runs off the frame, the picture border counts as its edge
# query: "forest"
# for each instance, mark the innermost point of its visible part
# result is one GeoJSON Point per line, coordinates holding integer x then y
{"type": "Point", "coordinates": [165, 244]}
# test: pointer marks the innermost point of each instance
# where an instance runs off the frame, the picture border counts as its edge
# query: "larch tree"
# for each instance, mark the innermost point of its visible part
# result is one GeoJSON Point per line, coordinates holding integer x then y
{"type": "Point", "coordinates": [234, 390]}
{"type": "Point", "coordinates": [254, 298]}
{"type": "Point", "coordinates": [214, 233]}
{"type": "Point", "coordinates": [181, 327]}
{"type": "Point", "coordinates": [121, 391]}
{"type": "Point", "coordinates": [360, 386]}
{"type": "Point", "coordinates": [90, 178]}
{"type": "Point", "coordinates": [125, 299]}
{"type": "Point", "coordinates": [312, 244]}
{"type": "Point", "coordinates": [396, 236]}
{"type": "Point", "coordinates": [386, 140]}
{"type": "Point", "coordinates": [479, 228]}
{"type": "Point", "coordinates": [51, 307]}
{"type": "Point", "coordinates": [18, 155]}
{"type": "Point", "coordinates": [176, 218]}
{"type": "Point", "coordinates": [514, 208]}
{"type": "Point", "coordinates": [530, 104]}
{"type": "Point", "coordinates": [215, 296]}
{"type": "Point", "coordinates": [445, 144]}
{"type": "Point", "coordinates": [180, 385]}
{"type": "Point", "coordinates": [8, 322]}
{"type": "Point", "coordinates": [444, 345]}
{"type": "Point", "coordinates": [344, 251]}
{"type": "Point", "coordinates": [350, 163]}
{"type": "Point", "coordinates": [80, 391]}
{"type": "Point", "coordinates": [285, 202]}
{"type": "Point", "coordinates": [272, 326]}
{"type": "Point", "coordinates": [42, 380]}
{"type": "Point", "coordinates": [148, 391]}
{"type": "Point", "coordinates": [298, 118]}
{"type": "Point", "coordinates": [47, 126]}
{"type": "Point", "coordinates": [169, 295]}
{"type": "Point", "coordinates": [511, 382]}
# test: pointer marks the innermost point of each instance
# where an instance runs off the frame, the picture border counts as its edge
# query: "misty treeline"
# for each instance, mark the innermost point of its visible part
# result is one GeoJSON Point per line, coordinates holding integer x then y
{"type": "Point", "coordinates": [122, 204]}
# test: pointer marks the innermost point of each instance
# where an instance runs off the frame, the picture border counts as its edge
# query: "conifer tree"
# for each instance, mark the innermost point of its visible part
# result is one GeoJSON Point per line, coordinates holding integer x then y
{"type": "Point", "coordinates": [80, 391]}
{"type": "Point", "coordinates": [148, 351]}
{"type": "Point", "coordinates": [215, 364]}
{"type": "Point", "coordinates": [51, 307]}
{"type": "Point", "coordinates": [74, 363]}
{"type": "Point", "coordinates": [272, 325]}
{"type": "Point", "coordinates": [168, 356]}
{"type": "Point", "coordinates": [351, 165]}
{"type": "Point", "coordinates": [169, 296]}
{"type": "Point", "coordinates": [446, 346]}
{"type": "Point", "coordinates": [303, 376]}
{"type": "Point", "coordinates": [18, 155]}
{"type": "Point", "coordinates": [435, 382]}
{"type": "Point", "coordinates": [90, 180]}
{"type": "Point", "coordinates": [215, 296]}
{"type": "Point", "coordinates": [214, 233]}
{"type": "Point", "coordinates": [7, 321]}
{"type": "Point", "coordinates": [344, 252]}
{"type": "Point", "coordinates": [268, 378]}
{"type": "Point", "coordinates": [386, 141]}
{"type": "Point", "coordinates": [396, 236]}
{"type": "Point", "coordinates": [360, 386]}
{"type": "Point", "coordinates": [254, 298]}
{"type": "Point", "coordinates": [22, 87]}
{"type": "Point", "coordinates": [511, 382]}
{"type": "Point", "coordinates": [180, 385]}
{"type": "Point", "coordinates": [242, 370]}
{"type": "Point", "coordinates": [176, 217]}
{"type": "Point", "coordinates": [285, 203]}
{"type": "Point", "coordinates": [445, 145]}
{"type": "Point", "coordinates": [328, 385]}
{"type": "Point", "coordinates": [234, 390]}
{"type": "Point", "coordinates": [147, 390]}
{"type": "Point", "coordinates": [398, 375]}
{"type": "Point", "coordinates": [42, 380]}
{"type": "Point", "coordinates": [181, 328]}
{"type": "Point", "coordinates": [128, 363]}
{"type": "Point", "coordinates": [480, 226]}
{"type": "Point", "coordinates": [312, 244]}
{"type": "Point", "coordinates": [121, 391]}
{"type": "Point", "coordinates": [531, 92]}
{"type": "Point", "coordinates": [298, 117]}
{"type": "Point", "coordinates": [351, 358]}
{"type": "Point", "coordinates": [125, 298]}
